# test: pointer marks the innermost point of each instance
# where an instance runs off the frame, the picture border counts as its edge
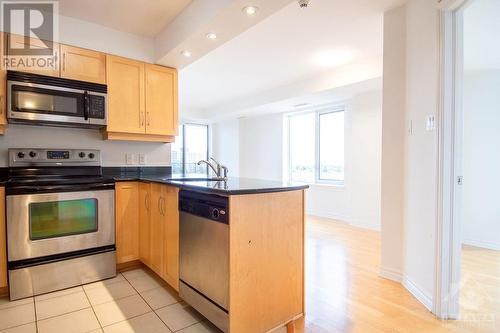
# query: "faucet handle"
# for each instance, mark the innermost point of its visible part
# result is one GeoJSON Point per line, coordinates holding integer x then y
{"type": "Point", "coordinates": [225, 170]}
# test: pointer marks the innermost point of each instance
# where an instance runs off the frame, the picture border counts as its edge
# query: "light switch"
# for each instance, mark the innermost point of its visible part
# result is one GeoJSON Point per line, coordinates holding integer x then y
{"type": "Point", "coordinates": [142, 158]}
{"type": "Point", "coordinates": [430, 124]}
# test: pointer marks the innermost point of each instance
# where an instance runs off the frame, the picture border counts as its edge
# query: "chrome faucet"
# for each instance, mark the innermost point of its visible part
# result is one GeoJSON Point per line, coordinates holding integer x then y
{"type": "Point", "coordinates": [219, 169]}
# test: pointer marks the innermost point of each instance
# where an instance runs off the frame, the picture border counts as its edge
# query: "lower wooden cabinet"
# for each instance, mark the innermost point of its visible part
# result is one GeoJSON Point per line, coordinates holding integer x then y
{"type": "Point", "coordinates": [127, 221]}
{"type": "Point", "coordinates": [156, 229]}
{"type": "Point", "coordinates": [145, 223]}
{"type": "Point", "coordinates": [3, 244]}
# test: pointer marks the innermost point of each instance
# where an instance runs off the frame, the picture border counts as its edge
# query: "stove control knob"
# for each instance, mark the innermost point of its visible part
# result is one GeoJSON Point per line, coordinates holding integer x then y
{"type": "Point", "coordinates": [81, 154]}
{"type": "Point", "coordinates": [20, 154]}
{"type": "Point", "coordinates": [91, 155]}
{"type": "Point", "coordinates": [32, 154]}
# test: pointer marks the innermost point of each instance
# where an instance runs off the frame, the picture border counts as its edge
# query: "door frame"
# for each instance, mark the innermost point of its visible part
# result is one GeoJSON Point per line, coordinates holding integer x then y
{"type": "Point", "coordinates": [450, 120]}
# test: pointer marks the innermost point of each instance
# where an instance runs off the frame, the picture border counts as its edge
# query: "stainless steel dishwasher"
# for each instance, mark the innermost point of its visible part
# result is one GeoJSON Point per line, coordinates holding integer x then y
{"type": "Point", "coordinates": [204, 255]}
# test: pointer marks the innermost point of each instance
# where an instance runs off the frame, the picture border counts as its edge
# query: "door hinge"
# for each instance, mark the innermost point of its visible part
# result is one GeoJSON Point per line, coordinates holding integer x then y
{"type": "Point", "coordinates": [460, 180]}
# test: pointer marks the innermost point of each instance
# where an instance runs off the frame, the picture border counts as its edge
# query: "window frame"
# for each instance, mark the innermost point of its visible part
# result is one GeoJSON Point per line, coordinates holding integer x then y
{"type": "Point", "coordinates": [317, 144]}
{"type": "Point", "coordinates": [183, 138]}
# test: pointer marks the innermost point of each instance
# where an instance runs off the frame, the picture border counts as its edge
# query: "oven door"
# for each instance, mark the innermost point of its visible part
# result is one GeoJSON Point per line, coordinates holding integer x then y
{"type": "Point", "coordinates": [41, 225]}
{"type": "Point", "coordinates": [37, 102]}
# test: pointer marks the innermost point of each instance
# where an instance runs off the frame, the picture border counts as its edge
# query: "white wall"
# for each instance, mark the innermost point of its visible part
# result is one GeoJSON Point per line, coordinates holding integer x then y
{"type": "Point", "coordinates": [261, 147]}
{"type": "Point", "coordinates": [421, 56]}
{"type": "Point", "coordinates": [393, 144]}
{"type": "Point", "coordinates": [96, 37]}
{"type": "Point", "coordinates": [481, 160]}
{"type": "Point", "coordinates": [226, 144]}
{"type": "Point", "coordinates": [262, 155]}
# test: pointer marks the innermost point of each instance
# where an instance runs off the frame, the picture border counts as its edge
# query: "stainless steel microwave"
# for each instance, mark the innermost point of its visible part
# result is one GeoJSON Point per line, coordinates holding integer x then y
{"type": "Point", "coordinates": [44, 100]}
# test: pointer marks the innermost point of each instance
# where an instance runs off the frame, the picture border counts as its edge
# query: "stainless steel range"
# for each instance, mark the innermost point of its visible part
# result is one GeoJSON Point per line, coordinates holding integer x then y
{"type": "Point", "coordinates": [60, 220]}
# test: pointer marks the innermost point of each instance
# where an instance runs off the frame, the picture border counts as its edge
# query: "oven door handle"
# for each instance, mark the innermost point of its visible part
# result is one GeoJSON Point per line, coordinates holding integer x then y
{"type": "Point", "coordinates": [34, 189]}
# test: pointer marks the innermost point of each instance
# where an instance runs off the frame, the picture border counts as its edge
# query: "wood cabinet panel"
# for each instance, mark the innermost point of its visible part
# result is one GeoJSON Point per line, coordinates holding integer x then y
{"type": "Point", "coordinates": [3, 87]}
{"type": "Point", "coordinates": [125, 79]}
{"type": "Point", "coordinates": [161, 100]}
{"type": "Point", "coordinates": [18, 41]}
{"type": "Point", "coordinates": [157, 230]}
{"type": "Point", "coordinates": [127, 221]}
{"type": "Point", "coordinates": [82, 64]}
{"type": "Point", "coordinates": [3, 243]}
{"type": "Point", "coordinates": [145, 223]}
{"type": "Point", "coordinates": [171, 236]}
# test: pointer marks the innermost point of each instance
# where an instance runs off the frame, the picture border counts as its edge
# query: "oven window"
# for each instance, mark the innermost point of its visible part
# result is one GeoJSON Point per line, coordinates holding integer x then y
{"type": "Point", "coordinates": [62, 218]}
{"type": "Point", "coordinates": [28, 99]}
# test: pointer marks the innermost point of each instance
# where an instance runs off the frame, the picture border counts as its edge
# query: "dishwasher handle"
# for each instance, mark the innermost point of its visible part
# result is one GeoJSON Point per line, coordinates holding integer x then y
{"type": "Point", "coordinates": [205, 206]}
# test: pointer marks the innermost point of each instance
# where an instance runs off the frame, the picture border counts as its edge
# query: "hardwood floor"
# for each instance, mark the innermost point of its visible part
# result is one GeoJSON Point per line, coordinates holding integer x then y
{"type": "Point", "coordinates": [344, 292]}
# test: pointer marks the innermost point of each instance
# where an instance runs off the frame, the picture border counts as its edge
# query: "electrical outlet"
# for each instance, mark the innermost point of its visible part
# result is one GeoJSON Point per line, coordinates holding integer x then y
{"type": "Point", "coordinates": [129, 159]}
{"type": "Point", "coordinates": [430, 124]}
{"type": "Point", "coordinates": [142, 158]}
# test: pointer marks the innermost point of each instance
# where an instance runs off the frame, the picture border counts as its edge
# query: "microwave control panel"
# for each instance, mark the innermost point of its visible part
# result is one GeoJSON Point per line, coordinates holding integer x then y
{"type": "Point", "coordinates": [97, 107]}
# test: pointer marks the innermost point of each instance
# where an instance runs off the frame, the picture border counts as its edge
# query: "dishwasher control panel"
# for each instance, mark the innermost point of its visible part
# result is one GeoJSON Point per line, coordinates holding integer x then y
{"type": "Point", "coordinates": [212, 207]}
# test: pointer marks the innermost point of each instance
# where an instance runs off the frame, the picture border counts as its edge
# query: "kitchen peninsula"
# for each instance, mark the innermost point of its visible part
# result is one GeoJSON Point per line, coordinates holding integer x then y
{"type": "Point", "coordinates": [264, 244]}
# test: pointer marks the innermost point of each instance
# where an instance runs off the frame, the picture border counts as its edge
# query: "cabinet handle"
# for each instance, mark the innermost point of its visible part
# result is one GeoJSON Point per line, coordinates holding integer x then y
{"type": "Point", "coordinates": [159, 205]}
{"type": "Point", "coordinates": [141, 118]}
{"type": "Point", "coordinates": [163, 206]}
{"type": "Point", "coordinates": [146, 202]}
{"type": "Point", "coordinates": [149, 118]}
{"type": "Point", "coordinates": [1, 105]}
{"type": "Point", "coordinates": [64, 61]}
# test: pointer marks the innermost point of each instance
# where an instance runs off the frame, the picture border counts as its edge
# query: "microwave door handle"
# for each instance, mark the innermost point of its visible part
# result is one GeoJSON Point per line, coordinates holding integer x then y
{"type": "Point", "coordinates": [86, 105]}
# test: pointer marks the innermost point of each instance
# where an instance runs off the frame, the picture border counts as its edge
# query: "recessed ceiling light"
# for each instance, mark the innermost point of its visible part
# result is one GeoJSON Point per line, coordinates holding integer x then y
{"type": "Point", "coordinates": [250, 10]}
{"type": "Point", "coordinates": [186, 53]}
{"type": "Point", "coordinates": [211, 35]}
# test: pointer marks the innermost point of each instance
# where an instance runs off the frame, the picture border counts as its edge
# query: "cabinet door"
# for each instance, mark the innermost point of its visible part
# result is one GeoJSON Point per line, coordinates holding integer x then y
{"type": "Point", "coordinates": [145, 223]}
{"type": "Point", "coordinates": [3, 87]}
{"type": "Point", "coordinates": [84, 65]}
{"type": "Point", "coordinates": [171, 235]}
{"type": "Point", "coordinates": [18, 41]}
{"type": "Point", "coordinates": [161, 100]}
{"type": "Point", "coordinates": [157, 229]}
{"type": "Point", "coordinates": [127, 222]}
{"type": "Point", "coordinates": [3, 244]}
{"type": "Point", "coordinates": [125, 80]}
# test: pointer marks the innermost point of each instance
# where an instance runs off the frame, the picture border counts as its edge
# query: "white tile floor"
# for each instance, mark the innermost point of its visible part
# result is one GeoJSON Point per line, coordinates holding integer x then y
{"type": "Point", "coordinates": [132, 302]}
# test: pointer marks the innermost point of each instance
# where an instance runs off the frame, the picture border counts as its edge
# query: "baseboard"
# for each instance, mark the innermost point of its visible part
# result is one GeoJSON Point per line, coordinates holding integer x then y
{"type": "Point", "coordinates": [417, 293]}
{"type": "Point", "coordinates": [391, 274]}
{"type": "Point", "coordinates": [482, 244]}
{"type": "Point", "coordinates": [346, 219]}
{"type": "Point", "coordinates": [328, 215]}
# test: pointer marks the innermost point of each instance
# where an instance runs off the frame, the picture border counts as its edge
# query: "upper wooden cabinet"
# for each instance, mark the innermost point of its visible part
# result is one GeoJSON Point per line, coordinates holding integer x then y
{"type": "Point", "coordinates": [84, 65]}
{"type": "Point", "coordinates": [126, 105]}
{"type": "Point", "coordinates": [161, 100]}
{"type": "Point", "coordinates": [127, 221]}
{"type": "Point", "coordinates": [142, 103]}
{"type": "Point", "coordinates": [17, 41]}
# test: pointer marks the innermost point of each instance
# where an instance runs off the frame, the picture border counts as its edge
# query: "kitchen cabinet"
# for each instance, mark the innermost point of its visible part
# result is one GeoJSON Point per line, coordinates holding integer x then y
{"type": "Point", "coordinates": [82, 64]}
{"type": "Point", "coordinates": [145, 223]}
{"type": "Point", "coordinates": [18, 41]}
{"type": "Point", "coordinates": [3, 89]}
{"type": "Point", "coordinates": [3, 243]}
{"type": "Point", "coordinates": [127, 221]}
{"type": "Point", "coordinates": [163, 225]}
{"type": "Point", "coordinates": [125, 78]}
{"type": "Point", "coordinates": [142, 101]}
{"type": "Point", "coordinates": [161, 100]}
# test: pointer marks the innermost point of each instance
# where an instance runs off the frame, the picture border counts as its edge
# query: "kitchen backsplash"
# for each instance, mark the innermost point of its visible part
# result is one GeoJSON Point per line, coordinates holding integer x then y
{"type": "Point", "coordinates": [113, 152]}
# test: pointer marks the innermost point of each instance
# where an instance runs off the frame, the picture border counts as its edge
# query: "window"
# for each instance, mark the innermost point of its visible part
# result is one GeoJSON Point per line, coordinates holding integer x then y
{"type": "Point", "coordinates": [191, 145]}
{"type": "Point", "coordinates": [316, 147]}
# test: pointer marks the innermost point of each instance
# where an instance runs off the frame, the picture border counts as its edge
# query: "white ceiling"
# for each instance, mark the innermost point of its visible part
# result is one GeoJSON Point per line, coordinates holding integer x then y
{"type": "Point", "coordinates": [145, 18]}
{"type": "Point", "coordinates": [481, 31]}
{"type": "Point", "coordinates": [290, 45]}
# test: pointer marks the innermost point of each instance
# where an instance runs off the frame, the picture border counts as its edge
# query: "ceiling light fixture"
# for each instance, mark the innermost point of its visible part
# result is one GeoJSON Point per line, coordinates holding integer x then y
{"type": "Point", "coordinates": [250, 10]}
{"type": "Point", "coordinates": [211, 35]}
{"type": "Point", "coordinates": [186, 53]}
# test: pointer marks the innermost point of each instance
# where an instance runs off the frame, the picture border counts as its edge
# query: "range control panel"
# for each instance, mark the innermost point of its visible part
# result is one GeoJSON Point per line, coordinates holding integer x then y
{"type": "Point", "coordinates": [37, 156]}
